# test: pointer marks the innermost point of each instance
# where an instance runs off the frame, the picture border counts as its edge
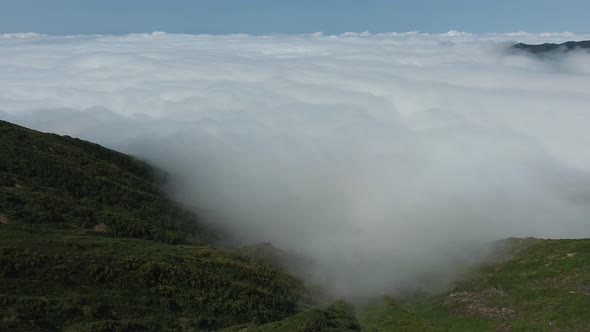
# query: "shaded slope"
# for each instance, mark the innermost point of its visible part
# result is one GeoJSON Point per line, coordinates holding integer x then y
{"type": "Point", "coordinates": [386, 315]}
{"type": "Point", "coordinates": [88, 243]}
{"type": "Point", "coordinates": [70, 280]}
{"type": "Point", "coordinates": [337, 317]}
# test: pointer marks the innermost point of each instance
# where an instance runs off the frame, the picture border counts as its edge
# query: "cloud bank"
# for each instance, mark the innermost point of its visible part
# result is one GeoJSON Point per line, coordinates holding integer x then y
{"type": "Point", "coordinates": [384, 158]}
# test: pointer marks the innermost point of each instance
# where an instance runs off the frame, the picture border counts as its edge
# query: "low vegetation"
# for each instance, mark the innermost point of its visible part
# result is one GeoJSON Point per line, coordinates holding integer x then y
{"type": "Point", "coordinates": [46, 179]}
{"type": "Point", "coordinates": [89, 243]}
{"type": "Point", "coordinates": [544, 285]}
{"type": "Point", "coordinates": [337, 317]}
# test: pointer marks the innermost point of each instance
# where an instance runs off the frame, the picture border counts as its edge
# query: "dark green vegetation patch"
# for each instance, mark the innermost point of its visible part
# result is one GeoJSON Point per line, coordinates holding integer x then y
{"type": "Point", "coordinates": [337, 317]}
{"type": "Point", "coordinates": [88, 243]}
{"type": "Point", "coordinates": [70, 183]}
{"type": "Point", "coordinates": [53, 280]}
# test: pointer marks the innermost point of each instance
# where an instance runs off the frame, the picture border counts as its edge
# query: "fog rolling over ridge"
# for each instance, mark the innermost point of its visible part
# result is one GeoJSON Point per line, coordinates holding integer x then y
{"type": "Point", "coordinates": [387, 159]}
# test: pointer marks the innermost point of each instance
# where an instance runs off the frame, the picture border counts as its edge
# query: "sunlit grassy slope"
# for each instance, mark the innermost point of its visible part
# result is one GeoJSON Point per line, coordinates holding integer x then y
{"type": "Point", "coordinates": [543, 286]}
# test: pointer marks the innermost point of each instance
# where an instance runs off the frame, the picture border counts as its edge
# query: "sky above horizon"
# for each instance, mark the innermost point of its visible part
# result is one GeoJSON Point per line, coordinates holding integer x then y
{"type": "Point", "coordinates": [69, 17]}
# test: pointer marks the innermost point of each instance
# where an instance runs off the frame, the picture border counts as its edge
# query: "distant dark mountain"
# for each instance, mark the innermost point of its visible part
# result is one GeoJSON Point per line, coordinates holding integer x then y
{"type": "Point", "coordinates": [549, 47]}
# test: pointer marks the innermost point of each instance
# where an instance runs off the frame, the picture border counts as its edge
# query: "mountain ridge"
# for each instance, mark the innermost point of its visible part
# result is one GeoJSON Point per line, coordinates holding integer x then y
{"type": "Point", "coordinates": [540, 49]}
{"type": "Point", "coordinates": [88, 242]}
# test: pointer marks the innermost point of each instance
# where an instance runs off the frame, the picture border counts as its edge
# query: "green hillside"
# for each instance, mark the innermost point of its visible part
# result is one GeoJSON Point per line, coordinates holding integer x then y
{"type": "Point", "coordinates": [543, 285]}
{"type": "Point", "coordinates": [89, 243]}
{"type": "Point", "coordinates": [69, 183]}
{"type": "Point", "coordinates": [534, 285]}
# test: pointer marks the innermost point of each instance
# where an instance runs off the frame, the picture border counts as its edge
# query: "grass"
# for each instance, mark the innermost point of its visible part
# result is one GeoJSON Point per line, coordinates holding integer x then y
{"type": "Point", "coordinates": [543, 286]}
{"type": "Point", "coordinates": [89, 243]}
{"type": "Point", "coordinates": [61, 181]}
{"type": "Point", "coordinates": [77, 281]}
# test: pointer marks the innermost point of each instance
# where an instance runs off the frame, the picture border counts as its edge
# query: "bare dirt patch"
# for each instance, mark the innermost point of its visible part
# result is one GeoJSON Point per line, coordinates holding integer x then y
{"type": "Point", "coordinates": [101, 228]}
{"type": "Point", "coordinates": [479, 303]}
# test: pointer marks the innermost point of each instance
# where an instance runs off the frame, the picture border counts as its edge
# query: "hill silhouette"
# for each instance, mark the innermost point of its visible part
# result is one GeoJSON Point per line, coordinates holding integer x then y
{"type": "Point", "coordinates": [89, 243]}
{"type": "Point", "coordinates": [550, 47]}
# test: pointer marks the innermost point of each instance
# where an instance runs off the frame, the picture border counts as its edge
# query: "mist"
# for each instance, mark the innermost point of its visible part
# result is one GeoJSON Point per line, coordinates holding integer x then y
{"type": "Point", "coordinates": [386, 159]}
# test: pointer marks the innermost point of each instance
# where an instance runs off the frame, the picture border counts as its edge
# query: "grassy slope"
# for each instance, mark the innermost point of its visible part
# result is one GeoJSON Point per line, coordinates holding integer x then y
{"type": "Point", "coordinates": [67, 182]}
{"type": "Point", "coordinates": [337, 317]}
{"type": "Point", "coordinates": [544, 286]}
{"type": "Point", "coordinates": [549, 47]}
{"type": "Point", "coordinates": [51, 279]}
{"type": "Point", "coordinates": [87, 242]}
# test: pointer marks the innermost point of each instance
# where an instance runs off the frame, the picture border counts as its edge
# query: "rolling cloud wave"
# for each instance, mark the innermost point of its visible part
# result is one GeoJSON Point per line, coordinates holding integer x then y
{"type": "Point", "coordinates": [384, 158]}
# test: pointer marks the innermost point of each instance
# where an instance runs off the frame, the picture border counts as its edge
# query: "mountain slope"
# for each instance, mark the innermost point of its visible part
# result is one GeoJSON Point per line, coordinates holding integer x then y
{"type": "Point", "coordinates": [67, 182]}
{"type": "Point", "coordinates": [336, 317]}
{"type": "Point", "coordinates": [88, 243]}
{"type": "Point", "coordinates": [544, 285]}
{"type": "Point", "coordinates": [540, 49]}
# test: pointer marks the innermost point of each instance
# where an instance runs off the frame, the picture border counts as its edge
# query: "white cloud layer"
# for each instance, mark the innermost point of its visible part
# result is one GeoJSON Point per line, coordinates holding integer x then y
{"type": "Point", "coordinates": [383, 157]}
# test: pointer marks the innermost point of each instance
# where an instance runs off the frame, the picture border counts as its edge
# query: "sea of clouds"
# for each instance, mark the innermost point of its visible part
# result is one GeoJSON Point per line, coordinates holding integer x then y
{"type": "Point", "coordinates": [386, 159]}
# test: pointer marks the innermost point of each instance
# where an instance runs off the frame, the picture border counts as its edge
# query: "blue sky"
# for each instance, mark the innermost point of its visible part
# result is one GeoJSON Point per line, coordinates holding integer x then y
{"type": "Point", "coordinates": [59, 17]}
